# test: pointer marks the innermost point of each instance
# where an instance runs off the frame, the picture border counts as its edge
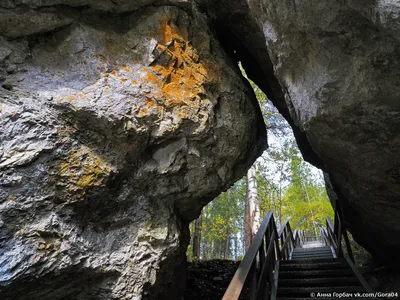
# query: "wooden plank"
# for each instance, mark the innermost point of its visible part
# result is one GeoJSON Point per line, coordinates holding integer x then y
{"type": "Point", "coordinates": [329, 224]}
{"type": "Point", "coordinates": [339, 241]}
{"type": "Point", "coordinates": [364, 283]}
{"type": "Point", "coordinates": [261, 253]}
{"type": "Point", "coordinates": [275, 285]}
{"type": "Point", "coordinates": [346, 238]}
{"type": "Point", "coordinates": [332, 239]}
{"type": "Point", "coordinates": [283, 228]}
{"type": "Point", "coordinates": [348, 246]}
{"type": "Point", "coordinates": [291, 234]}
{"type": "Point", "coordinates": [268, 259]}
{"type": "Point", "coordinates": [253, 282]}
{"type": "Point", "coordinates": [237, 282]}
{"type": "Point", "coordinates": [285, 247]}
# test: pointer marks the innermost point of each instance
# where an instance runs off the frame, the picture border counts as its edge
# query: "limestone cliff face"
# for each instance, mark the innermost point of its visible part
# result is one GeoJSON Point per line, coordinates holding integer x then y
{"type": "Point", "coordinates": [332, 69]}
{"type": "Point", "coordinates": [119, 121]}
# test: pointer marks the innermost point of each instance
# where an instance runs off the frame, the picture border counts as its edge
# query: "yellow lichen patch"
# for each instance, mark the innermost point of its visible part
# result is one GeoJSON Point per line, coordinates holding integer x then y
{"type": "Point", "coordinates": [11, 197]}
{"type": "Point", "coordinates": [180, 80]}
{"type": "Point", "coordinates": [82, 170]}
{"type": "Point", "coordinates": [72, 98]}
{"type": "Point", "coordinates": [142, 112]}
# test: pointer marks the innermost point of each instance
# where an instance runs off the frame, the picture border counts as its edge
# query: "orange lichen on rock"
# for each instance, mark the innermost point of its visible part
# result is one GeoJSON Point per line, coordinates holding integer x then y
{"type": "Point", "coordinates": [181, 79]}
{"type": "Point", "coordinates": [150, 77]}
{"type": "Point", "coordinates": [150, 103]}
{"type": "Point", "coordinates": [167, 32]}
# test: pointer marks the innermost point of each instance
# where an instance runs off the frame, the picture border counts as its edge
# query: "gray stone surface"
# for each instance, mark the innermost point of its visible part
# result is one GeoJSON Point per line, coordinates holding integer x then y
{"type": "Point", "coordinates": [115, 132]}
{"type": "Point", "coordinates": [332, 69]}
{"type": "Point", "coordinates": [121, 119]}
{"type": "Point", "coordinates": [339, 66]}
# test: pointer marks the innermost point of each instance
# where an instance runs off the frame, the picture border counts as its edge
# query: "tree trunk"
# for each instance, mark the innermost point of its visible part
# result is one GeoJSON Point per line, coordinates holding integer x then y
{"type": "Point", "coordinates": [235, 250]}
{"type": "Point", "coordinates": [252, 222]}
{"type": "Point", "coordinates": [309, 203]}
{"type": "Point", "coordinates": [205, 246]}
{"type": "Point", "coordinates": [226, 254]}
{"type": "Point", "coordinates": [197, 237]}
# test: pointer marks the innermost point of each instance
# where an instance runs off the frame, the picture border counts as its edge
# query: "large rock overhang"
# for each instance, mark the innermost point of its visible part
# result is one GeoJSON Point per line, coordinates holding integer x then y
{"type": "Point", "coordinates": [119, 122]}
{"type": "Point", "coordinates": [332, 70]}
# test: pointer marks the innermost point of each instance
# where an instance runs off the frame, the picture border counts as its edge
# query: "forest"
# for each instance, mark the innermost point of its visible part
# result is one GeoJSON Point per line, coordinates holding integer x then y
{"type": "Point", "coordinates": [280, 181]}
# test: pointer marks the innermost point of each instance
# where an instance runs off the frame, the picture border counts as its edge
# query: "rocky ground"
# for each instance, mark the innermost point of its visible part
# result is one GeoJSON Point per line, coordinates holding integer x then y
{"type": "Point", "coordinates": [382, 278]}
{"type": "Point", "coordinates": [208, 280]}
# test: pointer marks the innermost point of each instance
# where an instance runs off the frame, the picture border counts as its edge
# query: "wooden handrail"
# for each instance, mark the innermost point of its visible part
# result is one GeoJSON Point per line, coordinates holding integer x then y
{"type": "Point", "coordinates": [269, 246]}
{"type": "Point", "coordinates": [283, 228]}
{"type": "Point", "coordinates": [364, 283]}
{"type": "Point", "coordinates": [260, 262]}
{"type": "Point", "coordinates": [238, 280]}
{"type": "Point", "coordinates": [334, 233]}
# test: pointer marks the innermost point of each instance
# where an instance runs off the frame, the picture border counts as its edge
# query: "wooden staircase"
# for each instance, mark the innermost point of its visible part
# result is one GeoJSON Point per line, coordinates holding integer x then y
{"type": "Point", "coordinates": [315, 270]}
{"type": "Point", "coordinates": [288, 265]}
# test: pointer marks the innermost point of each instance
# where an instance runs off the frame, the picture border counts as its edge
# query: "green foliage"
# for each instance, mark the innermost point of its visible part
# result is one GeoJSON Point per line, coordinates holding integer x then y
{"type": "Point", "coordinates": [223, 221]}
{"type": "Point", "coordinates": [293, 191]}
{"type": "Point", "coordinates": [287, 185]}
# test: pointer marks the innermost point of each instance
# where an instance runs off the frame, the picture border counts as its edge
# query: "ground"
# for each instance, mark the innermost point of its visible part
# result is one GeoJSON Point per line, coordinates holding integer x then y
{"type": "Point", "coordinates": [208, 280]}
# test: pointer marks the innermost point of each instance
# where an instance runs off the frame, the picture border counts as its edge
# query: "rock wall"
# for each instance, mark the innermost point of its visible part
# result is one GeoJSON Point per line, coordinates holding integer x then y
{"type": "Point", "coordinates": [332, 69]}
{"type": "Point", "coordinates": [119, 121]}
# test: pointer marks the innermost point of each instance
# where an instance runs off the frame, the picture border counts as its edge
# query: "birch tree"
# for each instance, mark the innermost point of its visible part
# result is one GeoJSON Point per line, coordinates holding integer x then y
{"type": "Point", "coordinates": [252, 206]}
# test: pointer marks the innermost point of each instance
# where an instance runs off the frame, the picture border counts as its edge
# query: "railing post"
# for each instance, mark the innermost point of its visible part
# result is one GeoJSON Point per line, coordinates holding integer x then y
{"type": "Point", "coordinates": [277, 250]}
{"type": "Point", "coordinates": [253, 283]}
{"type": "Point", "coordinates": [344, 230]}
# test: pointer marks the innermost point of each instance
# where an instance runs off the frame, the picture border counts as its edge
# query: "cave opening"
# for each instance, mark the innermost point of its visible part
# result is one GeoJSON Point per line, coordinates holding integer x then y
{"type": "Point", "coordinates": [287, 170]}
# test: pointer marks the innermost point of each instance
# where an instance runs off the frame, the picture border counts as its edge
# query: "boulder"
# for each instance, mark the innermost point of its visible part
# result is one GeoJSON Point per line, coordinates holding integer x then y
{"type": "Point", "coordinates": [332, 69]}
{"type": "Point", "coordinates": [119, 121]}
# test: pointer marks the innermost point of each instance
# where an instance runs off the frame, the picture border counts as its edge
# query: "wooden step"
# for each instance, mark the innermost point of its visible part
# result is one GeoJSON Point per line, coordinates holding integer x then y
{"type": "Point", "coordinates": [311, 249]}
{"type": "Point", "coordinates": [311, 252]}
{"type": "Point", "coordinates": [306, 291]}
{"type": "Point", "coordinates": [325, 298]}
{"type": "Point", "coordinates": [314, 266]}
{"type": "Point", "coordinates": [309, 261]}
{"type": "Point", "coordinates": [312, 255]}
{"type": "Point", "coordinates": [310, 282]}
{"type": "Point", "coordinates": [315, 274]}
